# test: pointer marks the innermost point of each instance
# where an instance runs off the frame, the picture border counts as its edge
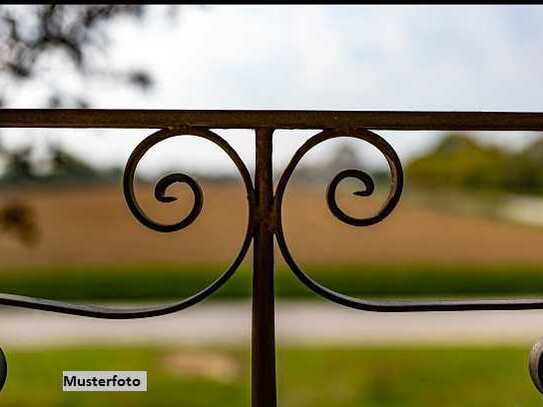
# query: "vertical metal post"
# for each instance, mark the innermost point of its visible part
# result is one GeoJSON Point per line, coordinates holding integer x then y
{"type": "Point", "coordinates": [264, 393]}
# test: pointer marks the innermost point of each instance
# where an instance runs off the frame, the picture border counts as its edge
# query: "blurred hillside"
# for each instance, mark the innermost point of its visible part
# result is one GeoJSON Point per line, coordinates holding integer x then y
{"type": "Point", "coordinates": [460, 162]}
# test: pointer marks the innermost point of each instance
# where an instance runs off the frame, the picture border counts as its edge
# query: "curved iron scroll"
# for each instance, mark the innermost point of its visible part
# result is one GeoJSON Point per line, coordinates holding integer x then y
{"type": "Point", "coordinates": [396, 187]}
{"type": "Point", "coordinates": [160, 194]}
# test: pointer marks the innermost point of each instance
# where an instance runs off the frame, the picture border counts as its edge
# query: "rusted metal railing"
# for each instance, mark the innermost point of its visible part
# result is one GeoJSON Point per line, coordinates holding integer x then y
{"type": "Point", "coordinates": [264, 223]}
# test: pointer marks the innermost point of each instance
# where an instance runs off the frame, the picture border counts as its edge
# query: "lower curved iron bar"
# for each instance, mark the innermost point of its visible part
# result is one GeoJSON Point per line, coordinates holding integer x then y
{"type": "Point", "coordinates": [418, 306]}
{"type": "Point", "coordinates": [93, 311]}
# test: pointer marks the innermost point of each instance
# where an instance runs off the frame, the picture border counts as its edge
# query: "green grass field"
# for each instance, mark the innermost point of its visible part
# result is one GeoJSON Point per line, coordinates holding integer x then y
{"type": "Point", "coordinates": [166, 282]}
{"type": "Point", "coordinates": [316, 377]}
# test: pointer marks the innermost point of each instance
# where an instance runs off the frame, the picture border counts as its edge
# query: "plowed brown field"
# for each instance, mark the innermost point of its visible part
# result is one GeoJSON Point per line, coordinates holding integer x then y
{"type": "Point", "coordinates": [93, 225]}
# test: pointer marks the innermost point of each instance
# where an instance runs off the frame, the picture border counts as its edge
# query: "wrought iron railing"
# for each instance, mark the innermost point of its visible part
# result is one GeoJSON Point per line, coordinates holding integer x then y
{"type": "Point", "coordinates": [265, 206]}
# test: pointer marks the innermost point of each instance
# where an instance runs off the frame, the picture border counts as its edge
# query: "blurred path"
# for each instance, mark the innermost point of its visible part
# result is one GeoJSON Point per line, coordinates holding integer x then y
{"type": "Point", "coordinates": [297, 323]}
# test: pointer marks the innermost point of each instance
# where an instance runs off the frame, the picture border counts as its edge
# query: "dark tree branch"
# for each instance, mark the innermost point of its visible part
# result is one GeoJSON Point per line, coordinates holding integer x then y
{"type": "Point", "coordinates": [73, 31]}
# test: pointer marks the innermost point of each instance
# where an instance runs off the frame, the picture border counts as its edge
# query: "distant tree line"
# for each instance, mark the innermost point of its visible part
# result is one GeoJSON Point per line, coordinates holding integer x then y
{"type": "Point", "coordinates": [461, 162]}
{"type": "Point", "coordinates": [59, 167]}
{"type": "Point", "coordinates": [20, 168]}
{"type": "Point", "coordinates": [458, 161]}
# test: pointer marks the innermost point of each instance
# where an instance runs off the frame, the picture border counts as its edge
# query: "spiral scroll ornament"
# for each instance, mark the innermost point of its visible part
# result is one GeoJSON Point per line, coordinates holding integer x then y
{"type": "Point", "coordinates": [395, 191]}
{"type": "Point", "coordinates": [161, 195]}
{"type": "Point", "coordinates": [163, 184]}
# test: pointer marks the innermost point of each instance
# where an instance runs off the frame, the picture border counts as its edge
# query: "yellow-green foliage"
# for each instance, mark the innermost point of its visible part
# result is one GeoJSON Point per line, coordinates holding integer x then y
{"type": "Point", "coordinates": [459, 161]}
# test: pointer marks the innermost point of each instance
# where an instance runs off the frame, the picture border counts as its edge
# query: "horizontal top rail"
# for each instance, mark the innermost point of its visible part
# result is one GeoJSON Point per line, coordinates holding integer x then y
{"type": "Point", "coordinates": [280, 119]}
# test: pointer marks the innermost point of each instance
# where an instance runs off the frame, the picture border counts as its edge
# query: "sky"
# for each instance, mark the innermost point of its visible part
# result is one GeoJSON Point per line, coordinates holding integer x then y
{"type": "Point", "coordinates": [310, 57]}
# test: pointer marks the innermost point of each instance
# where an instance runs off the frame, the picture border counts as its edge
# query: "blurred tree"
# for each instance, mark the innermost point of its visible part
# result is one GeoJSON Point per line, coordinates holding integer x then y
{"type": "Point", "coordinates": [32, 39]}
{"type": "Point", "coordinates": [19, 219]}
{"type": "Point", "coordinates": [525, 173]}
{"type": "Point", "coordinates": [459, 161]}
{"type": "Point", "coordinates": [32, 36]}
{"type": "Point", "coordinates": [19, 168]}
{"type": "Point", "coordinates": [66, 165]}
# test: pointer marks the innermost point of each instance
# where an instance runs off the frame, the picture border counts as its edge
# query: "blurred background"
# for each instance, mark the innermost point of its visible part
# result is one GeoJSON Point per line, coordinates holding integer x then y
{"type": "Point", "coordinates": [470, 223]}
